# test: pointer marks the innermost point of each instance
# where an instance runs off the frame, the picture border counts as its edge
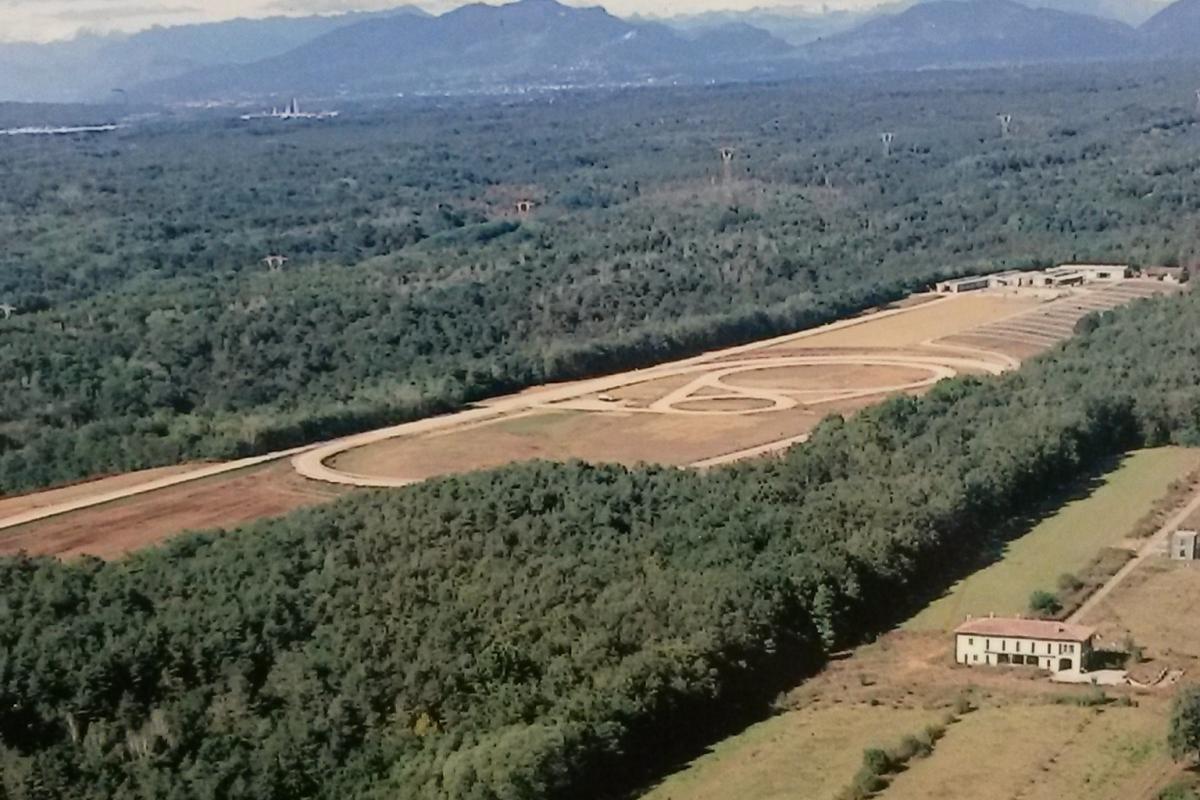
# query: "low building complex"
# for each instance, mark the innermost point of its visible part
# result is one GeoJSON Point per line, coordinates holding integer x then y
{"type": "Point", "coordinates": [1043, 644]}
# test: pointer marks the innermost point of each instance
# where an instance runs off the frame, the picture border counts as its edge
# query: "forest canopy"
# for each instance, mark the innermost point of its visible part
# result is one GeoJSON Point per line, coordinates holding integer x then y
{"type": "Point", "coordinates": [545, 631]}
{"type": "Point", "coordinates": [149, 331]}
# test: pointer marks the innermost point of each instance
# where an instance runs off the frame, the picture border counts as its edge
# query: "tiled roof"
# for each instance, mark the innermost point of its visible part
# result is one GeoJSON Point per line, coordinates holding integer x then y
{"type": "Point", "coordinates": [1026, 629]}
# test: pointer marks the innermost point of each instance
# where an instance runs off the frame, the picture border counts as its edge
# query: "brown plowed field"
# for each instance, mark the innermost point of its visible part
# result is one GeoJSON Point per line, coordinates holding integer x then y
{"type": "Point", "coordinates": [114, 529]}
{"type": "Point", "coordinates": [19, 504]}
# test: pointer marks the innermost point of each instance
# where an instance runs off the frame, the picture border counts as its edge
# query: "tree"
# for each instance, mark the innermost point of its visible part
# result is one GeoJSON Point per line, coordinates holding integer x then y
{"type": "Point", "coordinates": [1044, 603]}
{"type": "Point", "coordinates": [1183, 736]}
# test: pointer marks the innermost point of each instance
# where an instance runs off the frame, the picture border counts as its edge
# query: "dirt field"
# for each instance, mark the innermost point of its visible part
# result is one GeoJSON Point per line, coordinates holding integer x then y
{"type": "Point", "coordinates": [1157, 606]}
{"type": "Point", "coordinates": [114, 529]}
{"type": "Point", "coordinates": [18, 504]}
{"type": "Point", "coordinates": [723, 404]}
{"type": "Point", "coordinates": [560, 435]}
{"type": "Point", "coordinates": [824, 378]}
{"type": "Point", "coordinates": [726, 404]}
{"type": "Point", "coordinates": [1063, 542]}
{"type": "Point", "coordinates": [741, 402]}
{"type": "Point", "coordinates": [931, 321]}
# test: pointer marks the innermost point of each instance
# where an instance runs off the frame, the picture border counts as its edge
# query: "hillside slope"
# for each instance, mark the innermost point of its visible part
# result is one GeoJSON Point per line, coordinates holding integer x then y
{"type": "Point", "coordinates": [529, 42]}
{"type": "Point", "coordinates": [1175, 30]}
{"type": "Point", "coordinates": [948, 33]}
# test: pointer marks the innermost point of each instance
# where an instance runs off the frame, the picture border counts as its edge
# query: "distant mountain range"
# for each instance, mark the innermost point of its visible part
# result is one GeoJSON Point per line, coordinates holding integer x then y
{"type": "Point", "coordinates": [483, 47]}
{"type": "Point", "coordinates": [89, 68]}
{"type": "Point", "coordinates": [949, 33]}
{"type": "Point", "coordinates": [1173, 30]}
{"type": "Point", "coordinates": [540, 43]}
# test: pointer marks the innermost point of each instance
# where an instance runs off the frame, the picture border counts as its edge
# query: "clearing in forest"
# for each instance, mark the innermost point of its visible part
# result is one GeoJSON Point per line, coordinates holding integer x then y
{"type": "Point", "coordinates": [1027, 738]}
{"type": "Point", "coordinates": [1064, 542]}
{"type": "Point", "coordinates": [722, 406]}
{"type": "Point", "coordinates": [1018, 724]}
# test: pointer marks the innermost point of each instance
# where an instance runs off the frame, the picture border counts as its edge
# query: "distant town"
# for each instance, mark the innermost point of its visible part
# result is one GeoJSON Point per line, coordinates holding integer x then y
{"type": "Point", "coordinates": [291, 111]}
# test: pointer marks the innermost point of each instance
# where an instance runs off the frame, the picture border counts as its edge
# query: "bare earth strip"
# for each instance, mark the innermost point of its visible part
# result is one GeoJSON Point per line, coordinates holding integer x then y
{"type": "Point", "coordinates": [122, 526]}
{"type": "Point", "coordinates": [25, 503]}
{"type": "Point", "coordinates": [405, 453]}
{"type": "Point", "coordinates": [659, 414]}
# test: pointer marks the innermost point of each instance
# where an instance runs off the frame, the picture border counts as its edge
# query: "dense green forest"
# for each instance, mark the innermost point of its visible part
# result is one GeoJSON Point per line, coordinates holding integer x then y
{"type": "Point", "coordinates": [545, 631]}
{"type": "Point", "coordinates": [148, 330]}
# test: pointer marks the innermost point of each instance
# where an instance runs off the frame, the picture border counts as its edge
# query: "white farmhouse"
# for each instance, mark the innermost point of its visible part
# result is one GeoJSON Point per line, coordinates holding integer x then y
{"type": "Point", "coordinates": [1055, 646]}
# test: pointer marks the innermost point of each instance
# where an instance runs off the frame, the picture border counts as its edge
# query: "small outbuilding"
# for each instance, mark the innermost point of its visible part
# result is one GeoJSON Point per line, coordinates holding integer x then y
{"type": "Point", "coordinates": [961, 285]}
{"type": "Point", "coordinates": [1183, 545]}
{"type": "Point", "coordinates": [1101, 272]}
{"type": "Point", "coordinates": [1058, 647]}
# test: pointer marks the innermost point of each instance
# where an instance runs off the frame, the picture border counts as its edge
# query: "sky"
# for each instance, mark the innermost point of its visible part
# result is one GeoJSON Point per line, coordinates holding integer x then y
{"type": "Point", "coordinates": [45, 20]}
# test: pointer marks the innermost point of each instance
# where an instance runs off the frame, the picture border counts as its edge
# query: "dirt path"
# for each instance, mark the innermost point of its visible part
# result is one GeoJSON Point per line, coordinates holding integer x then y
{"type": "Point", "coordinates": [1155, 545]}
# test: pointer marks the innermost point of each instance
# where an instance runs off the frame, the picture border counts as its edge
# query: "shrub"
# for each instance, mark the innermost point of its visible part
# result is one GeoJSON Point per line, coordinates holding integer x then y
{"type": "Point", "coordinates": [877, 761]}
{"type": "Point", "coordinates": [910, 747]}
{"type": "Point", "coordinates": [931, 734]}
{"type": "Point", "coordinates": [1044, 603]}
{"type": "Point", "coordinates": [866, 783]}
{"type": "Point", "coordinates": [1178, 791]}
{"type": "Point", "coordinates": [1069, 583]}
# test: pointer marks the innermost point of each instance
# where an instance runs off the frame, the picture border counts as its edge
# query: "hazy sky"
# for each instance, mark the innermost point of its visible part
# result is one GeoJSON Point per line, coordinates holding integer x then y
{"type": "Point", "coordinates": [42, 20]}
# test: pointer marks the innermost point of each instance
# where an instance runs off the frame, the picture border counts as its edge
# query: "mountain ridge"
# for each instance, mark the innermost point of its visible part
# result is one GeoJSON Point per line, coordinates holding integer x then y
{"type": "Point", "coordinates": [480, 46]}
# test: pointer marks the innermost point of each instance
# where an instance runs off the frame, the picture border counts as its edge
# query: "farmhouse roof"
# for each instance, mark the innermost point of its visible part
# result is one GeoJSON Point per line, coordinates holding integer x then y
{"type": "Point", "coordinates": [1026, 629]}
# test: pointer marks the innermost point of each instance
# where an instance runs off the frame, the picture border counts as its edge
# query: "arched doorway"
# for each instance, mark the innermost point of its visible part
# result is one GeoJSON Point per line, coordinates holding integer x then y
{"type": "Point", "coordinates": [1065, 665]}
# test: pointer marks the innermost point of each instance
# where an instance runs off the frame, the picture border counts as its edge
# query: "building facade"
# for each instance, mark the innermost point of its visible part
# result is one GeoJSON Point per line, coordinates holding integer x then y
{"type": "Point", "coordinates": [1040, 644]}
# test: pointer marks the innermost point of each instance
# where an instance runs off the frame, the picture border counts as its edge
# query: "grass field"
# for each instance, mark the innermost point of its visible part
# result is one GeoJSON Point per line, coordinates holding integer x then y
{"type": "Point", "coordinates": [1063, 542]}
{"type": "Point", "coordinates": [1019, 743]}
{"type": "Point", "coordinates": [1043, 752]}
{"type": "Point", "coordinates": [810, 754]}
